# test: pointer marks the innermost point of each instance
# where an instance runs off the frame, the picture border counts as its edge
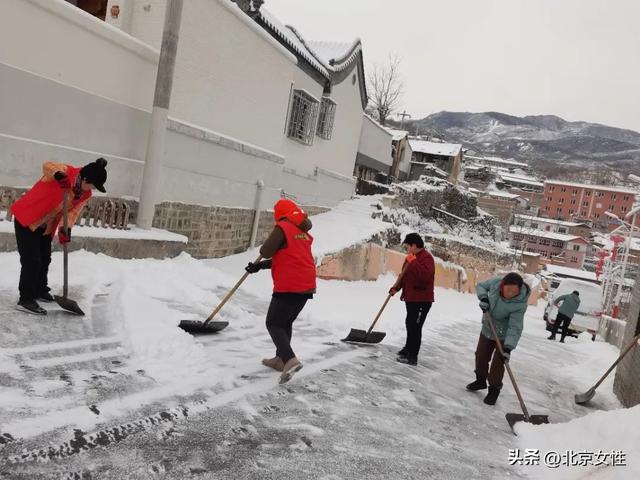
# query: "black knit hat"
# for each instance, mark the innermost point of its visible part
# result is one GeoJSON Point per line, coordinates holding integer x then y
{"type": "Point", "coordinates": [413, 239]}
{"type": "Point", "coordinates": [95, 173]}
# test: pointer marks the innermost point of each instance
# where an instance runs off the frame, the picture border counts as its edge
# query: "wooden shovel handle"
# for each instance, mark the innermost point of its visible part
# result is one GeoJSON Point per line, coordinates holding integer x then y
{"type": "Point", "coordinates": [230, 294]}
{"type": "Point", "coordinates": [404, 267]}
{"type": "Point", "coordinates": [489, 320]}
{"type": "Point", "coordinates": [634, 342]}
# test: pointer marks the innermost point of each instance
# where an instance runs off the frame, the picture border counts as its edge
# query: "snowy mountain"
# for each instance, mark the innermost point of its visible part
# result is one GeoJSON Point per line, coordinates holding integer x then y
{"type": "Point", "coordinates": [551, 144]}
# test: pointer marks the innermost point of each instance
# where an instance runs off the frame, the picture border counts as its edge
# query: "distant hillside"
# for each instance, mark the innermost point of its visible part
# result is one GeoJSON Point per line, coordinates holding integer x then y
{"type": "Point", "coordinates": [553, 146]}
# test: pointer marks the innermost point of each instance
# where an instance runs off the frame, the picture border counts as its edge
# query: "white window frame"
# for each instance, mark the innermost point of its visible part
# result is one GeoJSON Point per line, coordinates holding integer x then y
{"type": "Point", "coordinates": [303, 117]}
{"type": "Point", "coordinates": [326, 118]}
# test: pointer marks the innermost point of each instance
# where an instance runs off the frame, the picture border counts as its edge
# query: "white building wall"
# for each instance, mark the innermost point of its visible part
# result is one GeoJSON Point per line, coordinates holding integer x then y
{"type": "Point", "coordinates": [225, 137]}
{"type": "Point", "coordinates": [64, 44]}
{"type": "Point", "coordinates": [375, 141]}
{"type": "Point", "coordinates": [405, 162]}
{"type": "Point", "coordinates": [230, 76]}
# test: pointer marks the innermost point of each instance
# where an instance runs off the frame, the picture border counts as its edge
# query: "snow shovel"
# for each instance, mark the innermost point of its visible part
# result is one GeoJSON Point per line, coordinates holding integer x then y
{"type": "Point", "coordinates": [64, 302]}
{"type": "Point", "coordinates": [582, 398]}
{"type": "Point", "coordinates": [360, 336]}
{"type": "Point", "coordinates": [513, 418]}
{"type": "Point", "coordinates": [195, 326]}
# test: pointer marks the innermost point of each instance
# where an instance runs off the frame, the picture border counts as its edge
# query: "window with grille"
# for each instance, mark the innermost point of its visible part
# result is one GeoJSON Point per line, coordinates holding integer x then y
{"type": "Point", "coordinates": [326, 118]}
{"type": "Point", "coordinates": [303, 117]}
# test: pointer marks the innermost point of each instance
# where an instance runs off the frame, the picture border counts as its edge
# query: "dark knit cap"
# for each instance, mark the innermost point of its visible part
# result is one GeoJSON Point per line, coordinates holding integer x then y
{"type": "Point", "coordinates": [95, 173]}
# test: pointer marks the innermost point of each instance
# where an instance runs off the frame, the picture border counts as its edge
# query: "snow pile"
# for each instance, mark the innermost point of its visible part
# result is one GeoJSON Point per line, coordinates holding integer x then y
{"type": "Point", "coordinates": [601, 431]}
{"type": "Point", "coordinates": [425, 184]}
{"type": "Point", "coordinates": [347, 224]}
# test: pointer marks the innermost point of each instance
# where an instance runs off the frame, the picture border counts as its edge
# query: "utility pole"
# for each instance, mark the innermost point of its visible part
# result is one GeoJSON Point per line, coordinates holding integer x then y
{"type": "Point", "coordinates": [403, 115]}
{"type": "Point", "coordinates": [152, 174]}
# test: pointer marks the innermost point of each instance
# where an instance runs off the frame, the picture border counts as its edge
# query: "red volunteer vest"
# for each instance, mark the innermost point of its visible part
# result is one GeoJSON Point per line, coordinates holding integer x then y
{"type": "Point", "coordinates": [45, 196]}
{"type": "Point", "coordinates": [292, 268]}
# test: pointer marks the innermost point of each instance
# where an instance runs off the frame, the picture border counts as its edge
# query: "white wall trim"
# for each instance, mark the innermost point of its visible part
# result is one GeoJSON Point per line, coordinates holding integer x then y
{"type": "Point", "coordinates": [194, 131]}
{"type": "Point", "coordinates": [73, 149]}
{"type": "Point", "coordinates": [336, 175]}
{"type": "Point", "coordinates": [292, 171]}
{"type": "Point", "coordinates": [258, 30]}
{"type": "Point", "coordinates": [93, 94]}
{"type": "Point", "coordinates": [98, 27]}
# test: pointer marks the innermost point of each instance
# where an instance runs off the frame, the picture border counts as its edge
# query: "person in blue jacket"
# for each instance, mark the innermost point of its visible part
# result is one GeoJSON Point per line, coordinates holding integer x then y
{"type": "Point", "coordinates": [505, 299]}
{"type": "Point", "coordinates": [567, 310]}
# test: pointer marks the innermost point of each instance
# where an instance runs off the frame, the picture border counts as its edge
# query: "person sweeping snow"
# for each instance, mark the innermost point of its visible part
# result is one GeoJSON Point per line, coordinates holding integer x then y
{"type": "Point", "coordinates": [37, 215]}
{"type": "Point", "coordinates": [567, 310]}
{"type": "Point", "coordinates": [293, 269]}
{"type": "Point", "coordinates": [506, 301]}
{"type": "Point", "coordinates": [416, 283]}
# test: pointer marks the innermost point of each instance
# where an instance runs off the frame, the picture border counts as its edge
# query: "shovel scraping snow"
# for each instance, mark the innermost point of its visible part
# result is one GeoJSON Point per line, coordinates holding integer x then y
{"type": "Point", "coordinates": [581, 398]}
{"type": "Point", "coordinates": [63, 301]}
{"type": "Point", "coordinates": [369, 336]}
{"type": "Point", "coordinates": [195, 326]}
{"type": "Point", "coordinates": [514, 418]}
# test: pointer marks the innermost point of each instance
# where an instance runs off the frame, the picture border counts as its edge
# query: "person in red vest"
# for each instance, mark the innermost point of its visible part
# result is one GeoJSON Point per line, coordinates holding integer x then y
{"type": "Point", "coordinates": [37, 216]}
{"type": "Point", "coordinates": [293, 269]}
{"type": "Point", "coordinates": [416, 283]}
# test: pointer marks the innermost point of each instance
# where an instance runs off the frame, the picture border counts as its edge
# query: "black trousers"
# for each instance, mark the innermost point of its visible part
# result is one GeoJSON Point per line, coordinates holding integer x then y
{"type": "Point", "coordinates": [283, 311]}
{"type": "Point", "coordinates": [564, 321]}
{"type": "Point", "coordinates": [416, 316]}
{"type": "Point", "coordinates": [35, 256]}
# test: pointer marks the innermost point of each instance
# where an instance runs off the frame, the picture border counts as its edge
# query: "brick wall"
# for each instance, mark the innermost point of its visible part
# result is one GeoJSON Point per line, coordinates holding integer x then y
{"type": "Point", "coordinates": [212, 231]}
{"type": "Point", "coordinates": [627, 382]}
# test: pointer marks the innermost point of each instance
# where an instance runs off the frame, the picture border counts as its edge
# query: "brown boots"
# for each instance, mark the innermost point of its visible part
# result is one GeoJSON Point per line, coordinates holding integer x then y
{"type": "Point", "coordinates": [276, 363]}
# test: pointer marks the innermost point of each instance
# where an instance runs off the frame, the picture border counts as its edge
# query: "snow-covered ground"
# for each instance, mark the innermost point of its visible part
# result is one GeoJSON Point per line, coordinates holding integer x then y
{"type": "Point", "coordinates": [352, 412]}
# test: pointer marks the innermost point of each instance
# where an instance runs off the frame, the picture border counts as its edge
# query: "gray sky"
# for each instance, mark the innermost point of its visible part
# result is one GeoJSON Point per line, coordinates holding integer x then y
{"type": "Point", "coordinates": [579, 59]}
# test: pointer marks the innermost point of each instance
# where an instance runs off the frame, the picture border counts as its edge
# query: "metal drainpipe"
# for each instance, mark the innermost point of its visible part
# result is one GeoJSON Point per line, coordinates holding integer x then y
{"type": "Point", "coordinates": [256, 217]}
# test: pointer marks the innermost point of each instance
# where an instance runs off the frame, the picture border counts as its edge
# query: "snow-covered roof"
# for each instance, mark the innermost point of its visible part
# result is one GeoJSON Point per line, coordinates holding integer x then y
{"type": "Point", "coordinates": [431, 166]}
{"type": "Point", "coordinates": [335, 56]}
{"type": "Point", "coordinates": [542, 233]}
{"type": "Point", "coordinates": [435, 148]}
{"type": "Point", "coordinates": [593, 187]}
{"type": "Point", "coordinates": [374, 122]}
{"type": "Point", "coordinates": [496, 193]}
{"type": "Point", "coordinates": [291, 37]}
{"type": "Point", "coordinates": [498, 160]}
{"type": "Point", "coordinates": [550, 221]}
{"type": "Point", "coordinates": [324, 56]}
{"type": "Point", "coordinates": [521, 180]}
{"type": "Point", "coordinates": [397, 134]}
{"type": "Point", "coordinates": [570, 272]}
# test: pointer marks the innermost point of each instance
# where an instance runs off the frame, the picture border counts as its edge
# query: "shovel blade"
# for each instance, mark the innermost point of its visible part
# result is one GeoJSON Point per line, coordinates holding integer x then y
{"type": "Point", "coordinates": [581, 398]}
{"type": "Point", "coordinates": [361, 336]}
{"type": "Point", "coordinates": [514, 418]}
{"type": "Point", "coordinates": [196, 326]}
{"type": "Point", "coordinates": [69, 305]}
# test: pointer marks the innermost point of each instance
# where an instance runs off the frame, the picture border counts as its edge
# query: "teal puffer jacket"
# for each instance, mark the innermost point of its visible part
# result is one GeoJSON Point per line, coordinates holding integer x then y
{"type": "Point", "coordinates": [508, 315]}
{"type": "Point", "coordinates": [570, 304]}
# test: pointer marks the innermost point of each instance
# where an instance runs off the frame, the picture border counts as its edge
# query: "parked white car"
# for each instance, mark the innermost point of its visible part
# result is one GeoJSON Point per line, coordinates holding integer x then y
{"type": "Point", "coordinates": [587, 318]}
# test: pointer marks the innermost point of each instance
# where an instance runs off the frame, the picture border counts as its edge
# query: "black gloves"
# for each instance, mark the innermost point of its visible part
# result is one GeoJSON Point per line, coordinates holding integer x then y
{"type": "Point", "coordinates": [256, 267]}
{"type": "Point", "coordinates": [484, 304]}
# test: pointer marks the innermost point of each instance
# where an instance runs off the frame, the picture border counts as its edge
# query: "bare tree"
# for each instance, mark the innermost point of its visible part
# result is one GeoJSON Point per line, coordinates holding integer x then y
{"type": "Point", "coordinates": [385, 88]}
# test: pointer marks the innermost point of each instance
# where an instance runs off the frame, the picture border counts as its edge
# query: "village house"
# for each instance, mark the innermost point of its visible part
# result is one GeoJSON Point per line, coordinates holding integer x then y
{"type": "Point", "coordinates": [257, 111]}
{"type": "Point", "coordinates": [445, 156]}
{"type": "Point", "coordinates": [587, 203]}
{"type": "Point", "coordinates": [556, 248]}
{"type": "Point", "coordinates": [550, 225]}
{"type": "Point", "coordinates": [523, 182]}
{"type": "Point", "coordinates": [375, 156]}
{"type": "Point", "coordinates": [502, 205]}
